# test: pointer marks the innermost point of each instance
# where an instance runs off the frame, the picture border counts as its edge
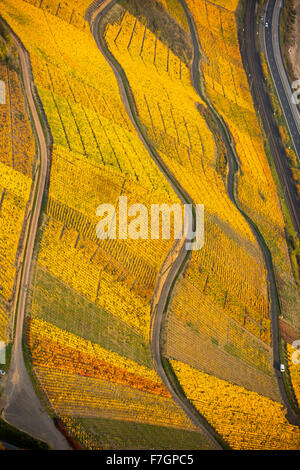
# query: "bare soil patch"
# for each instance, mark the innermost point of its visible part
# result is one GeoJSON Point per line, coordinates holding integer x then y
{"type": "Point", "coordinates": [287, 332]}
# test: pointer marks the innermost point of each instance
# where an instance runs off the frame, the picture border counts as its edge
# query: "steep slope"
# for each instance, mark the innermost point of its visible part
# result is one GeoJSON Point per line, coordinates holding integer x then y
{"type": "Point", "coordinates": [17, 158]}
{"type": "Point", "coordinates": [219, 318]}
{"type": "Point", "coordinates": [90, 301]}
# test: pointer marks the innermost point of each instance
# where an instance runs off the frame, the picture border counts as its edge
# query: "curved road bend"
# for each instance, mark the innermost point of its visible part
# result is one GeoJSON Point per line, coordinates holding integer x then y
{"type": "Point", "coordinates": [293, 418]}
{"type": "Point", "coordinates": [252, 62]}
{"type": "Point", "coordinates": [22, 408]}
{"type": "Point", "coordinates": [271, 44]}
{"type": "Point", "coordinates": [253, 65]}
{"type": "Point", "coordinates": [158, 308]}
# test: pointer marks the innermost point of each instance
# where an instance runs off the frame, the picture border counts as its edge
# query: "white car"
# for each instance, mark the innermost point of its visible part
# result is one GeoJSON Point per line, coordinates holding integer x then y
{"type": "Point", "coordinates": [2, 372]}
{"type": "Point", "coordinates": [266, 24]}
{"type": "Point", "coordinates": [282, 368]}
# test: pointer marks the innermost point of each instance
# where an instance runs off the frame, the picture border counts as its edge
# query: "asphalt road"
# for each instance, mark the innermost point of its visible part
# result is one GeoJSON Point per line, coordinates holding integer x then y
{"type": "Point", "coordinates": [271, 43]}
{"type": "Point", "coordinates": [233, 167]}
{"type": "Point", "coordinates": [22, 408]}
{"type": "Point", "coordinates": [255, 74]}
{"type": "Point", "coordinates": [177, 257]}
{"type": "Point", "coordinates": [252, 64]}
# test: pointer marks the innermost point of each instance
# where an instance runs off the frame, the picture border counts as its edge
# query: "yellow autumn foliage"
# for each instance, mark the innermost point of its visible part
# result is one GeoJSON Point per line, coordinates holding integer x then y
{"type": "Point", "coordinates": [245, 420]}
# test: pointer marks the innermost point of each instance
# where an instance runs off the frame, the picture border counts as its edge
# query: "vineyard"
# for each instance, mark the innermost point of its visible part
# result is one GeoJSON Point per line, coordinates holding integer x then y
{"type": "Point", "coordinates": [82, 379]}
{"type": "Point", "coordinates": [223, 300]}
{"type": "Point", "coordinates": [17, 152]}
{"type": "Point", "coordinates": [59, 349]}
{"type": "Point", "coordinates": [84, 319]}
{"type": "Point", "coordinates": [4, 319]}
{"type": "Point", "coordinates": [129, 435]}
{"type": "Point", "coordinates": [228, 299]}
{"type": "Point", "coordinates": [70, 13]}
{"type": "Point", "coordinates": [97, 157]}
{"type": "Point", "coordinates": [225, 406]}
{"type": "Point", "coordinates": [17, 148]}
{"type": "Point", "coordinates": [227, 88]}
{"type": "Point", "coordinates": [176, 11]}
{"type": "Point", "coordinates": [91, 302]}
{"type": "Point", "coordinates": [80, 116]}
{"type": "Point", "coordinates": [174, 125]}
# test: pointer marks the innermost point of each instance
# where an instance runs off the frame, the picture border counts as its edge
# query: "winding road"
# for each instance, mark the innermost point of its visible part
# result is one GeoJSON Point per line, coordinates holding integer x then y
{"type": "Point", "coordinates": [271, 45]}
{"type": "Point", "coordinates": [178, 255]}
{"type": "Point", "coordinates": [22, 408]}
{"type": "Point", "coordinates": [160, 308]}
{"type": "Point", "coordinates": [233, 168]}
{"type": "Point", "coordinates": [252, 64]}
{"type": "Point", "coordinates": [261, 99]}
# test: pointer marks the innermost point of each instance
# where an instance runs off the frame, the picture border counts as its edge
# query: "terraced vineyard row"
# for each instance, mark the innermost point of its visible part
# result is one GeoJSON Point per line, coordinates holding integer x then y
{"type": "Point", "coordinates": [227, 87]}
{"type": "Point", "coordinates": [216, 294]}
{"type": "Point", "coordinates": [17, 152]}
{"type": "Point", "coordinates": [91, 301]}
{"type": "Point", "coordinates": [17, 143]}
{"type": "Point", "coordinates": [226, 406]}
{"type": "Point", "coordinates": [235, 286]}
{"type": "Point", "coordinates": [99, 291]}
{"type": "Point", "coordinates": [70, 13]}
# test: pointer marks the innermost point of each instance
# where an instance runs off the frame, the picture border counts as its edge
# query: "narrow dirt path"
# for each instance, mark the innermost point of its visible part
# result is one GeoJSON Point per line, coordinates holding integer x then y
{"type": "Point", "coordinates": [178, 256]}
{"type": "Point", "coordinates": [22, 408]}
{"type": "Point", "coordinates": [233, 167]}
